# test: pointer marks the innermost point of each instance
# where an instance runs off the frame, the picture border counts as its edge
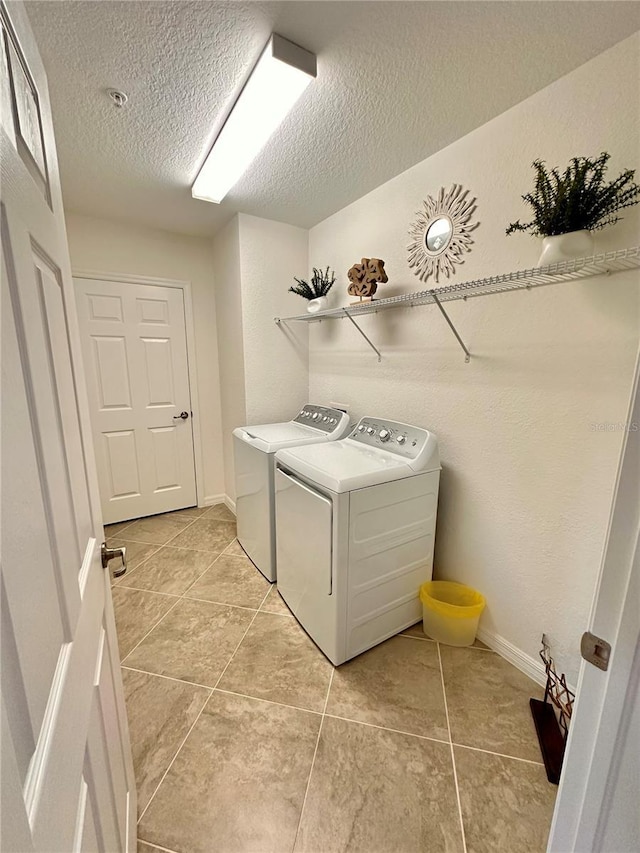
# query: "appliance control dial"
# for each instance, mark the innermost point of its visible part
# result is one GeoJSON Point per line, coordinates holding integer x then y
{"type": "Point", "coordinates": [371, 431]}
{"type": "Point", "coordinates": [361, 428]}
{"type": "Point", "coordinates": [315, 416]}
{"type": "Point", "coordinates": [401, 439]}
{"type": "Point", "coordinates": [385, 435]}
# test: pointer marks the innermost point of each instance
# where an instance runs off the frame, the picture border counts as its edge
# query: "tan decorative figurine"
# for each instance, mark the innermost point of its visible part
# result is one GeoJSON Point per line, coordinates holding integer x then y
{"type": "Point", "coordinates": [365, 276]}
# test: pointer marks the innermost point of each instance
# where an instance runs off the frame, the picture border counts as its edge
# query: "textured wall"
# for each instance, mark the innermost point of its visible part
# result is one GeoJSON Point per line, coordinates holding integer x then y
{"type": "Point", "coordinates": [264, 369]}
{"type": "Point", "coordinates": [226, 253]}
{"type": "Point", "coordinates": [103, 245]}
{"type": "Point", "coordinates": [527, 482]}
{"type": "Point", "coordinates": [276, 358]}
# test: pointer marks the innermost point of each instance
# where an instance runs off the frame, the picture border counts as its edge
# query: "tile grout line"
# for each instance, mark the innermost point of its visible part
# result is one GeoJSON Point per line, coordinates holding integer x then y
{"type": "Point", "coordinates": [313, 760]}
{"type": "Point", "coordinates": [499, 754]}
{"type": "Point", "coordinates": [331, 716]}
{"type": "Point", "coordinates": [177, 597]}
{"type": "Point", "coordinates": [240, 642]}
{"type": "Point", "coordinates": [153, 627]}
{"type": "Point", "coordinates": [453, 757]}
{"type": "Point", "coordinates": [211, 689]}
{"type": "Point", "coordinates": [152, 591]}
{"type": "Point", "coordinates": [156, 846]}
{"type": "Point", "coordinates": [429, 640]}
{"type": "Point", "coordinates": [137, 542]}
{"type": "Point", "coordinates": [268, 701]}
{"type": "Point", "coordinates": [117, 581]}
{"type": "Point", "coordinates": [157, 788]}
{"type": "Point", "coordinates": [167, 677]}
{"type": "Point", "coordinates": [387, 729]}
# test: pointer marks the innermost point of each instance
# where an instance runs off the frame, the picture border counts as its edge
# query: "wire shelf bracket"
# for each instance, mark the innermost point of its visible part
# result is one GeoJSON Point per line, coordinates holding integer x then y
{"type": "Point", "coordinates": [467, 354]}
{"type": "Point", "coordinates": [367, 339]}
{"type": "Point", "coordinates": [606, 263]}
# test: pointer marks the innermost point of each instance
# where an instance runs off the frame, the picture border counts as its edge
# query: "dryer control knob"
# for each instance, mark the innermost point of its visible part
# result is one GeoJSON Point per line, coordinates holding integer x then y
{"type": "Point", "coordinates": [371, 431]}
{"type": "Point", "coordinates": [385, 435]}
{"type": "Point", "coordinates": [361, 428]}
{"type": "Point", "coordinates": [315, 416]}
{"type": "Point", "coordinates": [401, 439]}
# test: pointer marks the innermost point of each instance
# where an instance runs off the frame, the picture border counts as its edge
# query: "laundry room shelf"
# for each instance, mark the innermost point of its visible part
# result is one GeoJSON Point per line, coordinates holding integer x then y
{"type": "Point", "coordinates": [607, 263]}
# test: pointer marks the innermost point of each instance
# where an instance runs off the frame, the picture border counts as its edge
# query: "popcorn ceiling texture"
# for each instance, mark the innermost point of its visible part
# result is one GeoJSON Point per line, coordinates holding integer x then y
{"type": "Point", "coordinates": [527, 478]}
{"type": "Point", "coordinates": [397, 81]}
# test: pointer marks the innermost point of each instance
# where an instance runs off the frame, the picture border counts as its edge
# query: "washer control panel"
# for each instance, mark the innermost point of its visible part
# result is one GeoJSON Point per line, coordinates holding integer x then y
{"type": "Point", "coordinates": [321, 417]}
{"type": "Point", "coordinates": [405, 440]}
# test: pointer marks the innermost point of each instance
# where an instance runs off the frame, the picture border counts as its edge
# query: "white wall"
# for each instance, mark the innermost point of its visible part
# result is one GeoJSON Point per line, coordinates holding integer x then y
{"type": "Point", "coordinates": [264, 368]}
{"type": "Point", "coordinates": [527, 482]}
{"type": "Point", "coordinates": [226, 253]}
{"type": "Point", "coordinates": [107, 246]}
{"type": "Point", "coordinates": [276, 357]}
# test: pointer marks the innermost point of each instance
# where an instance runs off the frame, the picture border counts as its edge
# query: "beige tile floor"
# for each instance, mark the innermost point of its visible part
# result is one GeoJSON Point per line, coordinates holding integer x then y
{"type": "Point", "coordinates": [245, 738]}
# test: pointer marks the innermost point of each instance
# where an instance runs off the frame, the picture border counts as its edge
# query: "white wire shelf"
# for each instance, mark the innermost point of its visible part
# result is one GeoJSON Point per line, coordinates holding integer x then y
{"type": "Point", "coordinates": [607, 263]}
{"type": "Point", "coordinates": [580, 268]}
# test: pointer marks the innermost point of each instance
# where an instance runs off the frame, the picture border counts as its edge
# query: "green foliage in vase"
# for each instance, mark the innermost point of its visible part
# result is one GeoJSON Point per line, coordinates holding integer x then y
{"type": "Point", "coordinates": [321, 283]}
{"type": "Point", "coordinates": [579, 199]}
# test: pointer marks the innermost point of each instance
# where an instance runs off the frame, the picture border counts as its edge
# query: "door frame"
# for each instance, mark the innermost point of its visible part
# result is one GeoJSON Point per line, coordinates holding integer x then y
{"type": "Point", "coordinates": [185, 286]}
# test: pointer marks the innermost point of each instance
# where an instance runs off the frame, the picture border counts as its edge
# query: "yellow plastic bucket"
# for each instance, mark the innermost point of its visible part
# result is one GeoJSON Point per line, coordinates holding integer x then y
{"type": "Point", "coordinates": [450, 612]}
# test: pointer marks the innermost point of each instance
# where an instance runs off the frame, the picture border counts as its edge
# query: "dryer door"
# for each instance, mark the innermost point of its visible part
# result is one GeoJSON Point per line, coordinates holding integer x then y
{"type": "Point", "coordinates": [304, 533]}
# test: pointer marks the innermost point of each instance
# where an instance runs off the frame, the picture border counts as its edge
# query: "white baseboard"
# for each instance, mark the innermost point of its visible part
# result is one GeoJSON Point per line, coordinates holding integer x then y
{"type": "Point", "coordinates": [230, 504]}
{"type": "Point", "coordinates": [212, 500]}
{"type": "Point", "coordinates": [524, 662]}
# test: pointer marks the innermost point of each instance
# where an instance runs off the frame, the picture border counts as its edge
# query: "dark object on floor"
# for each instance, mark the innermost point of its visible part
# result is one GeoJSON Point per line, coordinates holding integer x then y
{"type": "Point", "coordinates": [551, 730]}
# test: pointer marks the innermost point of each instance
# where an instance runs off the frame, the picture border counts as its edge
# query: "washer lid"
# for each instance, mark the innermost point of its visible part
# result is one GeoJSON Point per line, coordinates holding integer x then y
{"type": "Point", "coordinates": [272, 437]}
{"type": "Point", "coordinates": [342, 466]}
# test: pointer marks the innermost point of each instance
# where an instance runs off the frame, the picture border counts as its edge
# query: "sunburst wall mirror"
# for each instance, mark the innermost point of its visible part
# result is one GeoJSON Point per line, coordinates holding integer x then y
{"type": "Point", "coordinates": [441, 233]}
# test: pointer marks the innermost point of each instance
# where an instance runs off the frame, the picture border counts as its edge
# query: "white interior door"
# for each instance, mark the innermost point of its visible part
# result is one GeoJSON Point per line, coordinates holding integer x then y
{"type": "Point", "coordinates": [67, 775]}
{"type": "Point", "coordinates": [597, 803]}
{"type": "Point", "coordinates": [135, 352]}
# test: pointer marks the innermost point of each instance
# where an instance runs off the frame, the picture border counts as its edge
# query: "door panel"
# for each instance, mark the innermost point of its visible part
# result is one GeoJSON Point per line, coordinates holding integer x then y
{"type": "Point", "coordinates": [57, 626]}
{"type": "Point", "coordinates": [123, 463]}
{"type": "Point", "coordinates": [110, 365]}
{"type": "Point", "coordinates": [158, 359]}
{"type": "Point", "coordinates": [134, 342]}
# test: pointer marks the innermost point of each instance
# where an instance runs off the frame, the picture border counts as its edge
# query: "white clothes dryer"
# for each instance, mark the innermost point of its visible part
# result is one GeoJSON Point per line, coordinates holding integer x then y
{"type": "Point", "coordinates": [355, 525]}
{"type": "Point", "coordinates": [254, 451]}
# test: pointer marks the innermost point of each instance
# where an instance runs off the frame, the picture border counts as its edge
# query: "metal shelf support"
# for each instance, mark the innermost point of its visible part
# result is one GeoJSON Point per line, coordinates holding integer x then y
{"type": "Point", "coordinates": [467, 354]}
{"type": "Point", "coordinates": [606, 263]}
{"type": "Point", "coordinates": [374, 348]}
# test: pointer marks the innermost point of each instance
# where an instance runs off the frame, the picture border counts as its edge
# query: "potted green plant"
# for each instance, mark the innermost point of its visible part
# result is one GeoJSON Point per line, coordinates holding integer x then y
{"type": "Point", "coordinates": [316, 290]}
{"type": "Point", "coordinates": [568, 207]}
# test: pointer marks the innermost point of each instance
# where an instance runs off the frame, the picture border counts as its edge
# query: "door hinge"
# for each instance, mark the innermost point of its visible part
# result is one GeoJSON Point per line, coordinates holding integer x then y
{"type": "Point", "coordinates": [595, 650]}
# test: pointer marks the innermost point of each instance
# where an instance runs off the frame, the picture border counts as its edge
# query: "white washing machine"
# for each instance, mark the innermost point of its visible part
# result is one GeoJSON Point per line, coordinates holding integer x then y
{"type": "Point", "coordinates": [355, 523]}
{"type": "Point", "coordinates": [254, 448]}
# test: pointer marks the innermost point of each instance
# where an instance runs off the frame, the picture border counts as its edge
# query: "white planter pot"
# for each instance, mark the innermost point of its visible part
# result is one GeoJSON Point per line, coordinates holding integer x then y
{"type": "Point", "coordinates": [566, 247]}
{"type": "Point", "coordinates": [318, 304]}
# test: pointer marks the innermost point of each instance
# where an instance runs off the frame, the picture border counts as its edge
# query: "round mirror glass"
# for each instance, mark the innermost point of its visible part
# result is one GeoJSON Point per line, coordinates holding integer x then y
{"type": "Point", "coordinates": [438, 234]}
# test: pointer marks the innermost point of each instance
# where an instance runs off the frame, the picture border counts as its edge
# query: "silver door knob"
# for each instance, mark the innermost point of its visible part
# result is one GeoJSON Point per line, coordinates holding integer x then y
{"type": "Point", "coordinates": [182, 416]}
{"type": "Point", "coordinates": [109, 554]}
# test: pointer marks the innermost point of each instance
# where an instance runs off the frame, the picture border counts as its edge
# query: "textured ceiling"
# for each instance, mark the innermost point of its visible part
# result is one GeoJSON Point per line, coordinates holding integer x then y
{"type": "Point", "coordinates": [396, 82]}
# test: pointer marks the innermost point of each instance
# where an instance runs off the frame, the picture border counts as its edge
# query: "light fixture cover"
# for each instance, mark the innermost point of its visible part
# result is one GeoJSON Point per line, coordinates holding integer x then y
{"type": "Point", "coordinates": [282, 73]}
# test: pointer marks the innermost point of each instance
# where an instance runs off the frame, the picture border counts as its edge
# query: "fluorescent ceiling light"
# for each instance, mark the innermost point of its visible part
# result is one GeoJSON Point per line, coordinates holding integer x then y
{"type": "Point", "coordinates": [280, 76]}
